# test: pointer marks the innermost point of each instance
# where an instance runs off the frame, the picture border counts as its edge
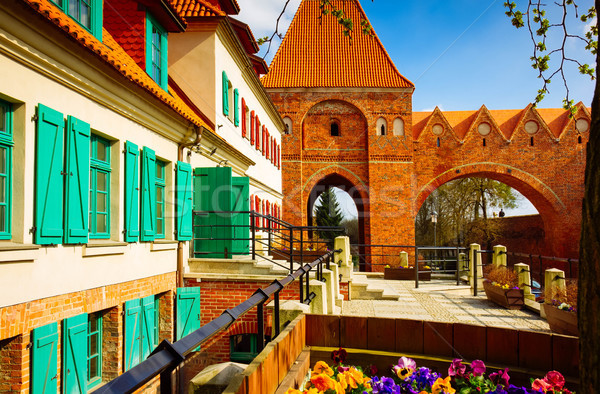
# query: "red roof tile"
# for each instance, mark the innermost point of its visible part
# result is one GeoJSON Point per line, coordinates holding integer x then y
{"type": "Point", "coordinates": [112, 53]}
{"type": "Point", "coordinates": [315, 53]}
{"type": "Point", "coordinates": [196, 8]}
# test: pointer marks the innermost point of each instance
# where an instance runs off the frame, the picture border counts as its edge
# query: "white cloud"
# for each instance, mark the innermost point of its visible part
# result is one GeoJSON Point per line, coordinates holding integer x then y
{"type": "Point", "coordinates": [588, 26]}
{"type": "Point", "coordinates": [430, 109]}
{"type": "Point", "coordinates": [261, 16]}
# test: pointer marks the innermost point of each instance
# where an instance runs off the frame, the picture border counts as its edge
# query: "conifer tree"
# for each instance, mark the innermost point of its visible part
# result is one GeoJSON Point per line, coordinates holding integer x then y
{"type": "Point", "coordinates": [328, 213]}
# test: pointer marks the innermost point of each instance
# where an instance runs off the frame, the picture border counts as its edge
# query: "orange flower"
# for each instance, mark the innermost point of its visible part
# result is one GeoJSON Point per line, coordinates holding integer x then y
{"type": "Point", "coordinates": [442, 386]}
{"type": "Point", "coordinates": [322, 367]}
{"type": "Point", "coordinates": [323, 382]}
{"type": "Point", "coordinates": [293, 391]}
{"type": "Point", "coordinates": [312, 390]}
{"type": "Point", "coordinates": [343, 381]}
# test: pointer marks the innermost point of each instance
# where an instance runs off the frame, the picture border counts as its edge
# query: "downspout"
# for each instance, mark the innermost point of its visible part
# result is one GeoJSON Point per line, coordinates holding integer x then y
{"type": "Point", "coordinates": [180, 244]}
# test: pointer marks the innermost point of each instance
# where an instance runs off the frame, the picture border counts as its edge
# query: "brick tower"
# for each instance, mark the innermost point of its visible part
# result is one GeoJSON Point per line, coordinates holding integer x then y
{"type": "Point", "coordinates": [349, 114]}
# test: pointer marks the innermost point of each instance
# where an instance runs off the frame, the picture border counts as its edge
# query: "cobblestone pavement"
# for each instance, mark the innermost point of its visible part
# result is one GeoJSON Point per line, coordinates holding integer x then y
{"type": "Point", "coordinates": [442, 301]}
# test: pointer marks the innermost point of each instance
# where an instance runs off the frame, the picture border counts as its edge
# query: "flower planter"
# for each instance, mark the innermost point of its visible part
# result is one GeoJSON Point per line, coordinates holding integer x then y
{"type": "Point", "coordinates": [508, 298]}
{"type": "Point", "coordinates": [561, 322]}
{"type": "Point", "coordinates": [405, 274]}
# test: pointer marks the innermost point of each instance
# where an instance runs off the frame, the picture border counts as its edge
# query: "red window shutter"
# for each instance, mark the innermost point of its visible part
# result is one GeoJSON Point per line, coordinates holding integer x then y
{"type": "Point", "coordinates": [262, 145]}
{"type": "Point", "coordinates": [257, 136]}
{"type": "Point", "coordinates": [257, 206]}
{"type": "Point", "coordinates": [278, 157]}
{"type": "Point", "coordinates": [251, 127]}
{"type": "Point", "coordinates": [267, 142]}
{"type": "Point", "coordinates": [252, 202]}
{"type": "Point", "coordinates": [244, 109]}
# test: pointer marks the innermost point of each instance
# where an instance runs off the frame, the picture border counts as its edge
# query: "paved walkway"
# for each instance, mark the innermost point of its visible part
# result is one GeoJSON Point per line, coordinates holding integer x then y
{"type": "Point", "coordinates": [443, 301]}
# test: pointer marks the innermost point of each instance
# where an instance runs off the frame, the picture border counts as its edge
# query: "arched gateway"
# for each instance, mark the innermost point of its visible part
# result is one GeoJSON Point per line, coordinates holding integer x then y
{"type": "Point", "coordinates": [350, 123]}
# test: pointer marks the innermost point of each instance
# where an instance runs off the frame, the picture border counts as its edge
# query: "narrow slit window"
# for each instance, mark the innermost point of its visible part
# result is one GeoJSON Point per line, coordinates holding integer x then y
{"type": "Point", "coordinates": [531, 141]}
{"type": "Point", "coordinates": [484, 143]}
{"type": "Point", "coordinates": [438, 143]}
{"type": "Point", "coordinates": [335, 129]}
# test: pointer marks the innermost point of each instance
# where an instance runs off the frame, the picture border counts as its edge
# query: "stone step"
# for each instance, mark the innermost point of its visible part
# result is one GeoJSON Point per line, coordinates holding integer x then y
{"type": "Point", "coordinates": [361, 289]}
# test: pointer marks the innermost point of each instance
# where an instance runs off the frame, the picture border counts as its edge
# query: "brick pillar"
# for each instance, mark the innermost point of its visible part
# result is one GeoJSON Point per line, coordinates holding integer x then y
{"type": "Point", "coordinates": [166, 324]}
{"type": "Point", "coordinates": [112, 351]}
{"type": "Point", "coordinates": [14, 364]}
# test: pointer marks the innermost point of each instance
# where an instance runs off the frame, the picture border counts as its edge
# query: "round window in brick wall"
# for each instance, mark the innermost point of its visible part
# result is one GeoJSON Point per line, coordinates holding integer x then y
{"type": "Point", "coordinates": [582, 125]}
{"type": "Point", "coordinates": [437, 129]}
{"type": "Point", "coordinates": [531, 127]}
{"type": "Point", "coordinates": [484, 128]}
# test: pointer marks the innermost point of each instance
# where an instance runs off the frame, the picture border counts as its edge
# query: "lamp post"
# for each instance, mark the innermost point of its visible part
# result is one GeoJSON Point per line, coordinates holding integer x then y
{"type": "Point", "coordinates": [434, 217]}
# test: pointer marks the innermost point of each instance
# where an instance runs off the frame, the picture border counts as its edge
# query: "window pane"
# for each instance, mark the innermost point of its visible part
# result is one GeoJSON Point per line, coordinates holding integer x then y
{"type": "Point", "coordinates": [85, 19]}
{"type": "Point", "coordinates": [101, 202]}
{"type": "Point", "coordinates": [93, 323]}
{"type": "Point", "coordinates": [3, 218]}
{"type": "Point", "coordinates": [159, 196]}
{"type": "Point", "coordinates": [2, 118]}
{"type": "Point", "coordinates": [2, 189]}
{"type": "Point", "coordinates": [159, 227]}
{"type": "Point", "coordinates": [2, 160]}
{"type": "Point", "coordinates": [101, 181]}
{"type": "Point", "coordinates": [101, 223]}
{"type": "Point", "coordinates": [100, 151]}
{"type": "Point", "coordinates": [73, 9]}
{"type": "Point", "coordinates": [93, 368]}
{"type": "Point", "coordinates": [160, 169]}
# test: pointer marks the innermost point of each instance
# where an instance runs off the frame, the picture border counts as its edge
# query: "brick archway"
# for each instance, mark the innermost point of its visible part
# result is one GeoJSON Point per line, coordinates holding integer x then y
{"type": "Point", "coordinates": [551, 208]}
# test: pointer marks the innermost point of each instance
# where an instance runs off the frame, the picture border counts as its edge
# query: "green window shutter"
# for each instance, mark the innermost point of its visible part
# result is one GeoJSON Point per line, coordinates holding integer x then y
{"type": "Point", "coordinates": [240, 188]}
{"type": "Point", "coordinates": [184, 201]}
{"type": "Point", "coordinates": [49, 177]}
{"type": "Point", "coordinates": [188, 310]}
{"type": "Point", "coordinates": [77, 181]}
{"type": "Point", "coordinates": [148, 211]}
{"type": "Point", "coordinates": [225, 94]}
{"type": "Point", "coordinates": [132, 333]}
{"type": "Point", "coordinates": [236, 107]}
{"type": "Point", "coordinates": [148, 326]}
{"type": "Point", "coordinates": [132, 192]}
{"type": "Point", "coordinates": [74, 363]}
{"type": "Point", "coordinates": [44, 354]}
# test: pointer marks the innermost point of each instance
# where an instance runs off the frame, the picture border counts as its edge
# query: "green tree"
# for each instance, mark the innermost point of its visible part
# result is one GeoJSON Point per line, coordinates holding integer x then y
{"type": "Point", "coordinates": [328, 214]}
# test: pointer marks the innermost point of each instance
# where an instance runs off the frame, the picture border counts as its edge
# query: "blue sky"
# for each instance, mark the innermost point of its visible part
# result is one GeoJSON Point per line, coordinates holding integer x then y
{"type": "Point", "coordinates": [460, 54]}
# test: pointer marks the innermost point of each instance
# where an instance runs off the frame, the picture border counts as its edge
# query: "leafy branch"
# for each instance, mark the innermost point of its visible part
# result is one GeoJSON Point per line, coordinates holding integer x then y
{"type": "Point", "coordinates": [540, 27]}
{"type": "Point", "coordinates": [276, 33]}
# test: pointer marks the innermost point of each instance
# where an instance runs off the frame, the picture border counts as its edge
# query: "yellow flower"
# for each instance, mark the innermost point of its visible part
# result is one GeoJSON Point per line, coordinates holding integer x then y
{"type": "Point", "coordinates": [343, 380]}
{"type": "Point", "coordinates": [322, 367]}
{"type": "Point", "coordinates": [293, 391]}
{"type": "Point", "coordinates": [323, 382]}
{"type": "Point", "coordinates": [442, 386]}
{"type": "Point", "coordinates": [312, 390]}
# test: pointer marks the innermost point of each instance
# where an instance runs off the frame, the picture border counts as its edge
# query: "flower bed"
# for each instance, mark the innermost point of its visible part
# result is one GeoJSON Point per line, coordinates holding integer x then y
{"type": "Point", "coordinates": [406, 377]}
{"type": "Point", "coordinates": [510, 298]}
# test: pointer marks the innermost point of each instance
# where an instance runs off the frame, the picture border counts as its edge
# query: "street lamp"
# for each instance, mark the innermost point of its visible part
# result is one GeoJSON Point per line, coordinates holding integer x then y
{"type": "Point", "coordinates": [434, 217]}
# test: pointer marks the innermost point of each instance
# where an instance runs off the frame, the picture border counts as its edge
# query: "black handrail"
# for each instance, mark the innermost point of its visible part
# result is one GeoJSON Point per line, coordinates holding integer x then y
{"type": "Point", "coordinates": [167, 356]}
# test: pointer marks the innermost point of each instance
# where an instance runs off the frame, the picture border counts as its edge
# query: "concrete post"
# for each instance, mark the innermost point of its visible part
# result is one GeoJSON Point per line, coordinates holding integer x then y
{"type": "Point", "coordinates": [260, 247]}
{"type": "Point", "coordinates": [524, 274]}
{"type": "Point", "coordinates": [554, 283]}
{"type": "Point", "coordinates": [499, 256]}
{"type": "Point", "coordinates": [476, 259]}
{"type": "Point", "coordinates": [343, 259]}
{"type": "Point", "coordinates": [404, 259]}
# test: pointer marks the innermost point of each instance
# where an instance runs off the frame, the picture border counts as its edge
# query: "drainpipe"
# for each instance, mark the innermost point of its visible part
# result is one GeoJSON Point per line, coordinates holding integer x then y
{"type": "Point", "coordinates": [180, 244]}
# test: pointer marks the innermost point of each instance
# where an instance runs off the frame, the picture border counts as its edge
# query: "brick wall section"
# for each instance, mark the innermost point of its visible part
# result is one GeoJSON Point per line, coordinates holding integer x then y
{"type": "Point", "coordinates": [389, 177]}
{"type": "Point", "coordinates": [345, 290]}
{"type": "Point", "coordinates": [112, 360]}
{"type": "Point", "coordinates": [14, 358]}
{"type": "Point", "coordinates": [21, 318]}
{"type": "Point", "coordinates": [523, 234]}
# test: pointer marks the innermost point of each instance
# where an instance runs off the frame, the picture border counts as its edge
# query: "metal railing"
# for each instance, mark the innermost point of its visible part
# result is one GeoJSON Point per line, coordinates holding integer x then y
{"type": "Point", "coordinates": [440, 259]}
{"type": "Point", "coordinates": [168, 356]}
{"type": "Point", "coordinates": [538, 264]}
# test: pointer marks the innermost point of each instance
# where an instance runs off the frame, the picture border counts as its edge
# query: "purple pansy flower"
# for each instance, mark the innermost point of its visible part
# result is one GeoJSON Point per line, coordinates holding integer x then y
{"type": "Point", "coordinates": [500, 377]}
{"type": "Point", "coordinates": [478, 367]}
{"type": "Point", "coordinates": [457, 368]}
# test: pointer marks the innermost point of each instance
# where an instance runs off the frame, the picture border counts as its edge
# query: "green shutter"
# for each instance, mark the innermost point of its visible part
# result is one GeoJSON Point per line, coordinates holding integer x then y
{"type": "Point", "coordinates": [44, 375]}
{"type": "Point", "coordinates": [236, 107]}
{"type": "Point", "coordinates": [132, 333]}
{"type": "Point", "coordinates": [188, 311]}
{"type": "Point", "coordinates": [49, 177]}
{"type": "Point", "coordinates": [77, 181]}
{"type": "Point", "coordinates": [184, 201]}
{"type": "Point", "coordinates": [148, 325]}
{"type": "Point", "coordinates": [75, 351]}
{"type": "Point", "coordinates": [225, 94]}
{"type": "Point", "coordinates": [132, 192]}
{"type": "Point", "coordinates": [212, 192]}
{"type": "Point", "coordinates": [240, 188]}
{"type": "Point", "coordinates": [148, 211]}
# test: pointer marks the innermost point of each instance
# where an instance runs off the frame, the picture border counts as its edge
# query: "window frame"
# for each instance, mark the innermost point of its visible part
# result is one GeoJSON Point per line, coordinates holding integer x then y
{"type": "Point", "coordinates": [160, 205]}
{"type": "Point", "coordinates": [96, 380]}
{"type": "Point", "coordinates": [99, 166]}
{"type": "Point", "coordinates": [7, 143]}
{"type": "Point", "coordinates": [152, 23]}
{"type": "Point", "coordinates": [95, 15]}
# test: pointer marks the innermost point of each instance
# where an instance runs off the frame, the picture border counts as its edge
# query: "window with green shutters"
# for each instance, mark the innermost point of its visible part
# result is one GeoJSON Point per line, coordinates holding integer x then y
{"type": "Point", "coordinates": [160, 198]}
{"type": "Point", "coordinates": [225, 88]}
{"type": "Point", "coordinates": [6, 144]}
{"type": "Point", "coordinates": [244, 347]}
{"type": "Point", "coordinates": [99, 219]}
{"type": "Point", "coordinates": [88, 13]}
{"type": "Point", "coordinates": [141, 321]}
{"type": "Point", "coordinates": [148, 196]}
{"type": "Point", "coordinates": [188, 311]}
{"type": "Point", "coordinates": [184, 201]}
{"type": "Point", "coordinates": [156, 52]}
{"type": "Point", "coordinates": [44, 359]}
{"type": "Point", "coordinates": [132, 192]}
{"type": "Point", "coordinates": [236, 107]}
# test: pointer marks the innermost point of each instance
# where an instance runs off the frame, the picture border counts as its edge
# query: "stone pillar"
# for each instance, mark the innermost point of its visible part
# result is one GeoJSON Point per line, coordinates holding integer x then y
{"type": "Point", "coordinates": [260, 247]}
{"type": "Point", "coordinates": [475, 258]}
{"type": "Point", "coordinates": [524, 274]}
{"type": "Point", "coordinates": [554, 283]}
{"type": "Point", "coordinates": [404, 259]}
{"type": "Point", "coordinates": [343, 259]}
{"type": "Point", "coordinates": [499, 256]}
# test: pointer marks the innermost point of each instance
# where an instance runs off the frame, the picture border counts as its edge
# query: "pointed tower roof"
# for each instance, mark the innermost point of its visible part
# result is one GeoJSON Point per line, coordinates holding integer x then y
{"type": "Point", "coordinates": [315, 53]}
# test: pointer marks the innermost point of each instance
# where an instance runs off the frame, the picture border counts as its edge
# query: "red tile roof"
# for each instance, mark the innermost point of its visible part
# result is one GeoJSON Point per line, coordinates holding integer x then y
{"type": "Point", "coordinates": [112, 53]}
{"type": "Point", "coordinates": [315, 53]}
{"type": "Point", "coordinates": [196, 8]}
